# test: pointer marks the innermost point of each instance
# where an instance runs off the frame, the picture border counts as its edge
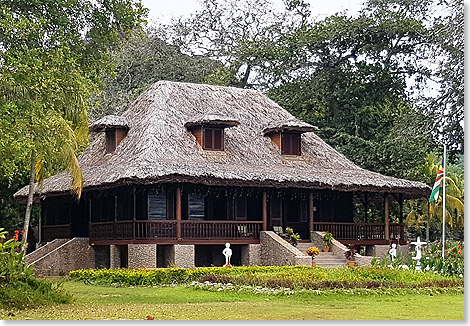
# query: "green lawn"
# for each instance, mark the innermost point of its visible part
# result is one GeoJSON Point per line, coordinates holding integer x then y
{"type": "Point", "coordinates": [180, 302]}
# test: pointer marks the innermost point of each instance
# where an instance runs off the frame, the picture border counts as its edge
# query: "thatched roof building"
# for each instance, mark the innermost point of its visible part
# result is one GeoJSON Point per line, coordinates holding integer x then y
{"type": "Point", "coordinates": [159, 147]}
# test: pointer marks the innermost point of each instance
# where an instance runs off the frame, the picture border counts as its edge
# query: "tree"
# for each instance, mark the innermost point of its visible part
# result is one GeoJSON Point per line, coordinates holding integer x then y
{"type": "Point", "coordinates": [235, 33]}
{"type": "Point", "coordinates": [448, 39]}
{"type": "Point", "coordinates": [349, 76]}
{"type": "Point", "coordinates": [52, 56]}
{"type": "Point", "coordinates": [141, 61]}
{"type": "Point", "coordinates": [424, 214]}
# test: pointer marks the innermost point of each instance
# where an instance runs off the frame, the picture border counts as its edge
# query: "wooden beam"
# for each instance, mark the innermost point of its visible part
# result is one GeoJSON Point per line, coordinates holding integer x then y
{"type": "Point", "coordinates": [178, 213]}
{"type": "Point", "coordinates": [387, 222]}
{"type": "Point", "coordinates": [265, 211]}
{"type": "Point", "coordinates": [310, 211]}
{"type": "Point", "coordinates": [400, 202]}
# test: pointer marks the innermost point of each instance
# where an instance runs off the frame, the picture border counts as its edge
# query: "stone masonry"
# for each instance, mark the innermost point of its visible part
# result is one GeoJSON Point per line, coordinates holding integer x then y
{"type": "Point", "coordinates": [251, 255]}
{"type": "Point", "coordinates": [276, 251]}
{"type": "Point", "coordinates": [142, 256]}
{"type": "Point", "coordinates": [72, 255]}
{"type": "Point", "coordinates": [114, 256]}
{"type": "Point", "coordinates": [183, 256]}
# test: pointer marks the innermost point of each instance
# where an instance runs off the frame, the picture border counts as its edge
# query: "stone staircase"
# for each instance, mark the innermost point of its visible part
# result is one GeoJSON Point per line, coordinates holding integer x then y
{"type": "Point", "coordinates": [324, 259]}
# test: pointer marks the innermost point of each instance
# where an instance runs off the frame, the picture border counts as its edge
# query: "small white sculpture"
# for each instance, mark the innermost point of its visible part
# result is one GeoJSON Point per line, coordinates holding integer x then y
{"type": "Point", "coordinates": [227, 252]}
{"type": "Point", "coordinates": [418, 246]}
{"type": "Point", "coordinates": [393, 252]}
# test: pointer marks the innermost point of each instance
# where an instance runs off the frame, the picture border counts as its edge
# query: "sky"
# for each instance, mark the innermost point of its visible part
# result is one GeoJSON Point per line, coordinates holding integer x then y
{"type": "Point", "coordinates": [164, 10]}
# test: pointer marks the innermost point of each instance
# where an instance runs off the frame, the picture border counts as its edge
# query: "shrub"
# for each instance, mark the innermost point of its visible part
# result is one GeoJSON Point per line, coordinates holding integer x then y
{"type": "Point", "coordinates": [18, 286]}
{"type": "Point", "coordinates": [274, 276]}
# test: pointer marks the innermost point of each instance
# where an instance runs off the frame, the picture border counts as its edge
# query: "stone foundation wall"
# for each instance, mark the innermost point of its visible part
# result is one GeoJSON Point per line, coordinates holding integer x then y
{"type": "Point", "coordinates": [72, 255]}
{"type": "Point", "coordinates": [142, 255]}
{"type": "Point", "coordinates": [276, 251]}
{"type": "Point", "coordinates": [43, 250]}
{"type": "Point", "coordinates": [114, 256]}
{"type": "Point", "coordinates": [183, 256]}
{"type": "Point", "coordinates": [251, 255]}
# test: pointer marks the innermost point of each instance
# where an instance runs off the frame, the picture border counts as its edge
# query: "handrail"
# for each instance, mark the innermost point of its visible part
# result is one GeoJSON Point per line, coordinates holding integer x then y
{"type": "Point", "coordinates": [166, 229]}
{"type": "Point", "coordinates": [360, 231]}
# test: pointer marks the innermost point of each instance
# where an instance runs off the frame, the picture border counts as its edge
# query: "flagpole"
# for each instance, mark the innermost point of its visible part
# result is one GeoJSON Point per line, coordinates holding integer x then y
{"type": "Point", "coordinates": [444, 205]}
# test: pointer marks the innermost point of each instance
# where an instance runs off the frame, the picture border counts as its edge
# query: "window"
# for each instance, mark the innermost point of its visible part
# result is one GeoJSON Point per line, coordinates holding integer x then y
{"type": "Point", "coordinates": [290, 143]}
{"type": "Point", "coordinates": [156, 205]}
{"type": "Point", "coordinates": [196, 207]}
{"type": "Point", "coordinates": [110, 140]}
{"type": "Point", "coordinates": [213, 139]}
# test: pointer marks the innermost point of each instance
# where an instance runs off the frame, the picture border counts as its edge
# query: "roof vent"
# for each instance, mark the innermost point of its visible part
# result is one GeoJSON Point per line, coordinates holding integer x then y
{"type": "Point", "coordinates": [209, 130]}
{"type": "Point", "coordinates": [115, 127]}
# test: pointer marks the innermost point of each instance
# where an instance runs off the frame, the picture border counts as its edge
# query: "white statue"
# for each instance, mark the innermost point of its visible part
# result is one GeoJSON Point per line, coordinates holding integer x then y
{"type": "Point", "coordinates": [393, 252]}
{"type": "Point", "coordinates": [418, 246]}
{"type": "Point", "coordinates": [227, 252]}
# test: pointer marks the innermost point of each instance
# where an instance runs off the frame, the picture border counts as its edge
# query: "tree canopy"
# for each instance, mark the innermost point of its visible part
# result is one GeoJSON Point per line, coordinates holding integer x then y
{"type": "Point", "coordinates": [53, 55]}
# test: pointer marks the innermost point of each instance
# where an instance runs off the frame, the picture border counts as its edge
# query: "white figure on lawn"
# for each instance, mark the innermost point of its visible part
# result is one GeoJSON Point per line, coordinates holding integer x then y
{"type": "Point", "coordinates": [418, 246]}
{"type": "Point", "coordinates": [228, 254]}
{"type": "Point", "coordinates": [393, 252]}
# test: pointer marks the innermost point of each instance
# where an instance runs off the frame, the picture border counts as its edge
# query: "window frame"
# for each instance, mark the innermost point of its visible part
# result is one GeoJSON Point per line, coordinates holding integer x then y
{"type": "Point", "coordinates": [288, 140]}
{"type": "Point", "coordinates": [213, 130]}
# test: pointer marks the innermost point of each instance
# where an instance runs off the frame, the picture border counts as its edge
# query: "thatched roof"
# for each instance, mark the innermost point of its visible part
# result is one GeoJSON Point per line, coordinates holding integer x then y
{"type": "Point", "coordinates": [108, 122]}
{"type": "Point", "coordinates": [212, 119]}
{"type": "Point", "coordinates": [292, 124]}
{"type": "Point", "coordinates": [159, 148]}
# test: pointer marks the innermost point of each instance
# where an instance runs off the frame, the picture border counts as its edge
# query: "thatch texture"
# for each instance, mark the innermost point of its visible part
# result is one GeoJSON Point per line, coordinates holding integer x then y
{"type": "Point", "coordinates": [212, 119]}
{"type": "Point", "coordinates": [289, 125]}
{"type": "Point", "coordinates": [109, 121]}
{"type": "Point", "coordinates": [159, 148]}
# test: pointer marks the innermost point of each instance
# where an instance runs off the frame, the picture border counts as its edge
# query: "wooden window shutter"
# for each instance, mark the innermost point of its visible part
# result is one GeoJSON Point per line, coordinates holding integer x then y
{"type": "Point", "coordinates": [110, 140]}
{"type": "Point", "coordinates": [208, 138]}
{"type": "Point", "coordinates": [275, 205]}
{"type": "Point", "coordinates": [218, 139]}
{"type": "Point", "coordinates": [241, 208]}
{"type": "Point", "coordinates": [213, 138]}
{"type": "Point", "coordinates": [290, 143]}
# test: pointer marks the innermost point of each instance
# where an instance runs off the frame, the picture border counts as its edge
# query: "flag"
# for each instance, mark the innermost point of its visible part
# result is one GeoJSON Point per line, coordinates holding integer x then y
{"type": "Point", "coordinates": [437, 183]}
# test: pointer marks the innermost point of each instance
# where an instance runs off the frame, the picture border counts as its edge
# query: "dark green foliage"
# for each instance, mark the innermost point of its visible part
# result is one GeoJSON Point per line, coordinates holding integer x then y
{"type": "Point", "coordinates": [272, 276]}
{"type": "Point", "coordinates": [291, 237]}
{"type": "Point", "coordinates": [18, 287]}
{"type": "Point", "coordinates": [141, 61]}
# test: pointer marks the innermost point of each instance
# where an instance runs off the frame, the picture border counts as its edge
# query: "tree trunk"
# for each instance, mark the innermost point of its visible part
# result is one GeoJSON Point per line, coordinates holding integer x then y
{"type": "Point", "coordinates": [27, 215]}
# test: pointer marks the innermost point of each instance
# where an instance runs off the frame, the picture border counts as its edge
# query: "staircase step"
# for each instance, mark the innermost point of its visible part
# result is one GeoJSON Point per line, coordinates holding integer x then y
{"type": "Point", "coordinates": [323, 259]}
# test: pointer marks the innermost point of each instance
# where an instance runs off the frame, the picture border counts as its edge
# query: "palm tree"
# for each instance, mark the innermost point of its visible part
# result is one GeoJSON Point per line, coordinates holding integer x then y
{"type": "Point", "coordinates": [425, 211]}
{"type": "Point", "coordinates": [54, 143]}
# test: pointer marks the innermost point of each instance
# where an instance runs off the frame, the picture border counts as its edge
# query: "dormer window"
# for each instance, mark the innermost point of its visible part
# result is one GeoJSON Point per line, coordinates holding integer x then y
{"type": "Point", "coordinates": [290, 143]}
{"type": "Point", "coordinates": [287, 135]}
{"type": "Point", "coordinates": [209, 131]}
{"type": "Point", "coordinates": [114, 136]}
{"type": "Point", "coordinates": [213, 138]}
{"type": "Point", "coordinates": [115, 128]}
{"type": "Point", "coordinates": [110, 140]}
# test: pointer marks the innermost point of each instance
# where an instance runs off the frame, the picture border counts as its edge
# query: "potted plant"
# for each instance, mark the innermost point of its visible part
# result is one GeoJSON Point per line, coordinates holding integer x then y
{"type": "Point", "coordinates": [313, 251]}
{"type": "Point", "coordinates": [327, 239]}
{"type": "Point", "coordinates": [291, 236]}
{"type": "Point", "coordinates": [350, 254]}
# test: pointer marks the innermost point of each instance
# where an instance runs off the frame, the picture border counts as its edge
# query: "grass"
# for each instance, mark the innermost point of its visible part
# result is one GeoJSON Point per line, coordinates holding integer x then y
{"type": "Point", "coordinates": [186, 303]}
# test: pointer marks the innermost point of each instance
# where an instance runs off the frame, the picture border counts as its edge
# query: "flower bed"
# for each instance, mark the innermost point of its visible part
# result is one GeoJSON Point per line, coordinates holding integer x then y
{"type": "Point", "coordinates": [294, 277]}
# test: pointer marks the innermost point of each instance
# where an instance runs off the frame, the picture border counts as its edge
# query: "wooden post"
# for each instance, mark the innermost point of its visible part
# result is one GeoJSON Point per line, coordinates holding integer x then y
{"type": "Point", "coordinates": [310, 211]}
{"type": "Point", "coordinates": [265, 211]}
{"type": "Point", "coordinates": [178, 213]}
{"type": "Point", "coordinates": [134, 213]}
{"type": "Point", "coordinates": [387, 224]}
{"type": "Point", "coordinates": [400, 201]}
